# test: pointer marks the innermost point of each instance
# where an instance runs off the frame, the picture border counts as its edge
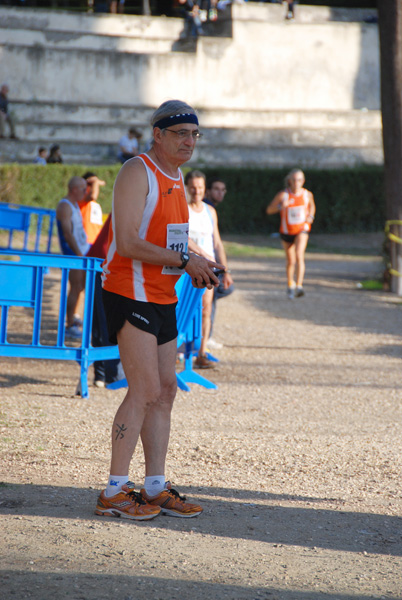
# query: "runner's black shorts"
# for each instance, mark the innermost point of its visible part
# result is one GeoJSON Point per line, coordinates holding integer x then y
{"type": "Point", "coordinates": [157, 319]}
{"type": "Point", "coordinates": [290, 239]}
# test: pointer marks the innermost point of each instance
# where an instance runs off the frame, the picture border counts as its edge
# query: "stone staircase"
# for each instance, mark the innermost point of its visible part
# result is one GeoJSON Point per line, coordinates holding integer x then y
{"type": "Point", "coordinates": [83, 114]}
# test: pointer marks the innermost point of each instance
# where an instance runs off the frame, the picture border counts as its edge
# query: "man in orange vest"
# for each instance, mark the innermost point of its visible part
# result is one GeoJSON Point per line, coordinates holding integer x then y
{"type": "Point", "coordinates": [147, 253]}
{"type": "Point", "coordinates": [90, 208]}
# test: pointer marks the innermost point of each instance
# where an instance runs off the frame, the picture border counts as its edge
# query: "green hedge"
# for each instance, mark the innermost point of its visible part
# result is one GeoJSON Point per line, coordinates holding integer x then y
{"type": "Point", "coordinates": [35, 185]}
{"type": "Point", "coordinates": [348, 200]}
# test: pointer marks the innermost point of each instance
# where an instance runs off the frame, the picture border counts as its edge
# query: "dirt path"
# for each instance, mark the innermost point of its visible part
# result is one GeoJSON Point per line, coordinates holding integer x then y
{"type": "Point", "coordinates": [296, 459]}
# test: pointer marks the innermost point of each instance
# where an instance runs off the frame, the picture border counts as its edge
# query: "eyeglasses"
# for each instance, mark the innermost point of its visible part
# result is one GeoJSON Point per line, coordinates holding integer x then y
{"type": "Point", "coordinates": [184, 133]}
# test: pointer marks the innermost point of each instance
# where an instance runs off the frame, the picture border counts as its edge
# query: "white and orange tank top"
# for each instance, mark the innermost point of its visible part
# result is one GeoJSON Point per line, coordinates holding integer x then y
{"type": "Point", "coordinates": [294, 216]}
{"type": "Point", "coordinates": [78, 231]}
{"type": "Point", "coordinates": [165, 205]}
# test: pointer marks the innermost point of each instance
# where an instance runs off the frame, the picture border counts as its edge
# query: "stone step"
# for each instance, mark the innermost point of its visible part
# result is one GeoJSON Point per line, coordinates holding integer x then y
{"type": "Point", "coordinates": [110, 133]}
{"type": "Point", "coordinates": [208, 154]}
{"type": "Point", "coordinates": [305, 14]}
{"type": "Point", "coordinates": [93, 42]}
{"type": "Point", "coordinates": [25, 151]}
{"type": "Point", "coordinates": [99, 32]}
{"type": "Point", "coordinates": [81, 80]}
{"type": "Point", "coordinates": [248, 70]}
{"type": "Point", "coordinates": [302, 156]}
{"type": "Point", "coordinates": [65, 113]}
{"type": "Point", "coordinates": [290, 137]}
{"type": "Point", "coordinates": [74, 25]}
{"type": "Point", "coordinates": [137, 26]}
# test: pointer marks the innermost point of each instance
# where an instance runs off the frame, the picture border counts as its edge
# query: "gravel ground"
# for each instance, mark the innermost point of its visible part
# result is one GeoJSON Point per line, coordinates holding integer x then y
{"type": "Point", "coordinates": [296, 458]}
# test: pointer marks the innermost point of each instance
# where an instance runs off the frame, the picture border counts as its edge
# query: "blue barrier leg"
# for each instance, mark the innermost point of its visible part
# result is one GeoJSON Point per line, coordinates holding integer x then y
{"type": "Point", "coordinates": [116, 385]}
{"type": "Point", "coordinates": [190, 376]}
{"type": "Point", "coordinates": [181, 384]}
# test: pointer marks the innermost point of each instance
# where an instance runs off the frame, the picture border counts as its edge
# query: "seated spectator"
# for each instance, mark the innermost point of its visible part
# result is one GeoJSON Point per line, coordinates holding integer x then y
{"type": "Point", "coordinates": [190, 11]}
{"type": "Point", "coordinates": [205, 240]}
{"type": "Point", "coordinates": [42, 156]}
{"type": "Point", "coordinates": [54, 155]}
{"type": "Point", "coordinates": [90, 208]}
{"type": "Point", "coordinates": [73, 242]}
{"type": "Point", "coordinates": [291, 10]}
{"type": "Point", "coordinates": [116, 6]}
{"type": "Point", "coordinates": [5, 116]}
{"type": "Point", "coordinates": [129, 145]}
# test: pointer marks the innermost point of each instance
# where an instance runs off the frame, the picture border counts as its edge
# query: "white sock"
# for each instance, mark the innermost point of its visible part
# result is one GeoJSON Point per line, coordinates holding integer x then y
{"type": "Point", "coordinates": [115, 484]}
{"type": "Point", "coordinates": [154, 485]}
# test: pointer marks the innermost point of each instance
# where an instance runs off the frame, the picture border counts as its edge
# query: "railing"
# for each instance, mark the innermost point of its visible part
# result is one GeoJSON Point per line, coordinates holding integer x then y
{"type": "Point", "coordinates": [22, 285]}
{"type": "Point", "coordinates": [18, 217]}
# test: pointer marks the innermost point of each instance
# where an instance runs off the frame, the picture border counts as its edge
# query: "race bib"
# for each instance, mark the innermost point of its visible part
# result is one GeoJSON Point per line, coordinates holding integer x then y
{"type": "Point", "coordinates": [96, 214]}
{"type": "Point", "coordinates": [296, 215]}
{"type": "Point", "coordinates": [177, 239]}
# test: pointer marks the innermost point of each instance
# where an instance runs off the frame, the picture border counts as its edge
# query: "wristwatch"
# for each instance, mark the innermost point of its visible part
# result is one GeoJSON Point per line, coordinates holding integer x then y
{"type": "Point", "coordinates": [184, 260]}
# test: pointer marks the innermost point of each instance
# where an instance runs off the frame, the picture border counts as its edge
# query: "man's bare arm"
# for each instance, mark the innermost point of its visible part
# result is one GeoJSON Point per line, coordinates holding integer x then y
{"type": "Point", "coordinates": [63, 215]}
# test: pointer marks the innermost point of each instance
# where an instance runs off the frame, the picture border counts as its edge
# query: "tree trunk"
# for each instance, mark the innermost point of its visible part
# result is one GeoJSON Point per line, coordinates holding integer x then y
{"type": "Point", "coordinates": [390, 30]}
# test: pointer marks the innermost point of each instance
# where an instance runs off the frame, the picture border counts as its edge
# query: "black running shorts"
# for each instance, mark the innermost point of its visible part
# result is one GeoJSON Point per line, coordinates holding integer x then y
{"type": "Point", "coordinates": [290, 239]}
{"type": "Point", "coordinates": [157, 319]}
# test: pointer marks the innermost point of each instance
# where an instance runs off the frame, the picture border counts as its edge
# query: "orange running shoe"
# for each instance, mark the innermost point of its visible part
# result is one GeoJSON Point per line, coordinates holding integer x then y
{"type": "Point", "coordinates": [171, 503]}
{"type": "Point", "coordinates": [127, 504]}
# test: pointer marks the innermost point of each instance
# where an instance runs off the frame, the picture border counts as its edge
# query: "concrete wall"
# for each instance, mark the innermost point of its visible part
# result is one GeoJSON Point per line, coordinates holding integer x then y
{"type": "Point", "coordinates": [269, 91]}
{"type": "Point", "coordinates": [265, 66]}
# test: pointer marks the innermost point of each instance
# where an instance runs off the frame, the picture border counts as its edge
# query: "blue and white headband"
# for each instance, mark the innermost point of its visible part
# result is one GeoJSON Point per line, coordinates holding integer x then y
{"type": "Point", "coordinates": [176, 119]}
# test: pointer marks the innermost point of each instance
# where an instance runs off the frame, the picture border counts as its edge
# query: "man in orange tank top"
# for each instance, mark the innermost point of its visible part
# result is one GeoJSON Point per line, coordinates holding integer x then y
{"type": "Point", "coordinates": [147, 252]}
{"type": "Point", "coordinates": [90, 208]}
{"type": "Point", "coordinates": [297, 210]}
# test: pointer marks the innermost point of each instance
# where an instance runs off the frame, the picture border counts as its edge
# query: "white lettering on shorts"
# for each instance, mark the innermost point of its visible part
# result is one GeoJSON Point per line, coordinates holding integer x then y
{"type": "Point", "coordinates": [140, 317]}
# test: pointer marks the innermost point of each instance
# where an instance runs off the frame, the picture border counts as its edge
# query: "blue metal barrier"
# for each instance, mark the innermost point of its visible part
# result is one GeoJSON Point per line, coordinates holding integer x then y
{"type": "Point", "coordinates": [22, 285]}
{"type": "Point", "coordinates": [18, 217]}
{"type": "Point", "coordinates": [189, 317]}
{"type": "Point", "coordinates": [189, 322]}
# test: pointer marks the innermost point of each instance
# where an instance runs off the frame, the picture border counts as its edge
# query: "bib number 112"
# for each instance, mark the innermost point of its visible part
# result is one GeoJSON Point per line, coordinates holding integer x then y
{"type": "Point", "coordinates": [177, 240]}
{"type": "Point", "coordinates": [179, 247]}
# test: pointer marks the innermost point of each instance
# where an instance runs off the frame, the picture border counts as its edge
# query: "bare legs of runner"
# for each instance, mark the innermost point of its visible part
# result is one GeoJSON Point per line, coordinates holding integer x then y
{"type": "Point", "coordinates": [146, 408]}
{"type": "Point", "coordinates": [295, 259]}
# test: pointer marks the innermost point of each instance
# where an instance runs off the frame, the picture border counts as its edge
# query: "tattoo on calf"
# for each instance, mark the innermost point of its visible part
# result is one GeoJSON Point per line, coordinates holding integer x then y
{"type": "Point", "coordinates": [119, 431]}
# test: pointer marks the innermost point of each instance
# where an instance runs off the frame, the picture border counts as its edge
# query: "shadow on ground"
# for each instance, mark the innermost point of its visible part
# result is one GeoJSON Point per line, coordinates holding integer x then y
{"type": "Point", "coordinates": [133, 588]}
{"type": "Point", "coordinates": [256, 514]}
